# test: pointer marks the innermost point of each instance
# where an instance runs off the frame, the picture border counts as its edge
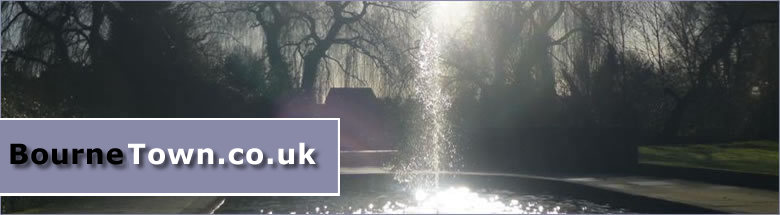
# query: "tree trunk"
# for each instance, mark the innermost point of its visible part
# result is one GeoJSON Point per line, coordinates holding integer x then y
{"type": "Point", "coordinates": [311, 64]}
{"type": "Point", "coordinates": [95, 39]}
{"type": "Point", "coordinates": [312, 61]}
{"type": "Point", "coordinates": [672, 125]}
{"type": "Point", "coordinates": [279, 74]}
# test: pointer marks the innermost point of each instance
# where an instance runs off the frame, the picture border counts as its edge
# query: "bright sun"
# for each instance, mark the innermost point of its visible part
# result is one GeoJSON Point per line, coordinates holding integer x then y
{"type": "Point", "coordinates": [448, 15]}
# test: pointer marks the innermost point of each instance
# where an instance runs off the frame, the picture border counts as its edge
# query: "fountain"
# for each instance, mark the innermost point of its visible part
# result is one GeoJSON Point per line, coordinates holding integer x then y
{"type": "Point", "coordinates": [430, 151]}
{"type": "Point", "coordinates": [424, 179]}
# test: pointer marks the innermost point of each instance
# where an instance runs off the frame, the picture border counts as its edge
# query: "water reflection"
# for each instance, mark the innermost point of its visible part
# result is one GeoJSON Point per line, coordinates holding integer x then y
{"type": "Point", "coordinates": [463, 200]}
{"type": "Point", "coordinates": [443, 200]}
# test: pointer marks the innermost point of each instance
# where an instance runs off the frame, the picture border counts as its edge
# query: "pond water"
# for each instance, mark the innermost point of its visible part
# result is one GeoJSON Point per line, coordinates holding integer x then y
{"type": "Point", "coordinates": [368, 194]}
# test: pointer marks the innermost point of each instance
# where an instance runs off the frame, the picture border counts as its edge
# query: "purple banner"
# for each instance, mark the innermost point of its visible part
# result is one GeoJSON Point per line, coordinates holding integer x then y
{"type": "Point", "coordinates": [169, 157]}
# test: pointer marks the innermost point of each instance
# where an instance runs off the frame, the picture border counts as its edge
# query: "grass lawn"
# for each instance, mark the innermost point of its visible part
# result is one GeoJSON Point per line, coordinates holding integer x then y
{"type": "Point", "coordinates": [746, 156]}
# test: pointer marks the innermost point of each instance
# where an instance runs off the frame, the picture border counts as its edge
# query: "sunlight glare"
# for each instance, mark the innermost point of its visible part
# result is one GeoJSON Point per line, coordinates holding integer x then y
{"type": "Point", "coordinates": [462, 199]}
{"type": "Point", "coordinates": [448, 15]}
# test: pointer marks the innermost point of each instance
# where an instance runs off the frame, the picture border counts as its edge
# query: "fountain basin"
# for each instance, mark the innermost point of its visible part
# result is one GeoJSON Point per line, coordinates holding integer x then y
{"type": "Point", "coordinates": [370, 191]}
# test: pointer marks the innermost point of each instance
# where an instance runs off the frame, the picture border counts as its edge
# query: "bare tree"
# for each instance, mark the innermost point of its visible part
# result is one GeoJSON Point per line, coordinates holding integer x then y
{"type": "Point", "coordinates": [351, 25]}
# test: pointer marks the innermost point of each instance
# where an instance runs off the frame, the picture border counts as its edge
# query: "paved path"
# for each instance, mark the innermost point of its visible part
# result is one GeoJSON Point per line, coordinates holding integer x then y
{"type": "Point", "coordinates": [717, 197]}
{"type": "Point", "coordinates": [127, 205]}
{"type": "Point", "coordinates": [711, 196]}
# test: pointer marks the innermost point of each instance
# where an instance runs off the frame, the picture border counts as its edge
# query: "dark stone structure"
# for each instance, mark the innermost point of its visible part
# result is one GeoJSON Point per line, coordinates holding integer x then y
{"type": "Point", "coordinates": [364, 125]}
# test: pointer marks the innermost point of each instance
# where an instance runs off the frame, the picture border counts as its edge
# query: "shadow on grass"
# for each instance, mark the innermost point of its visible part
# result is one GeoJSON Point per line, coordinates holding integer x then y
{"type": "Point", "coordinates": [748, 156]}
